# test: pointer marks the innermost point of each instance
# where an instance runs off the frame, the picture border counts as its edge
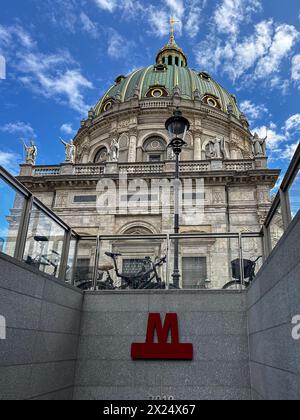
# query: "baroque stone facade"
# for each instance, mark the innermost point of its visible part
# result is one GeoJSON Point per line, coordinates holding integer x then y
{"type": "Point", "coordinates": [125, 134]}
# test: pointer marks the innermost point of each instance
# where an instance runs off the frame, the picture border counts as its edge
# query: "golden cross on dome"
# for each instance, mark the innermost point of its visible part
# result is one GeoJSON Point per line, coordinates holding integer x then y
{"type": "Point", "coordinates": [172, 24]}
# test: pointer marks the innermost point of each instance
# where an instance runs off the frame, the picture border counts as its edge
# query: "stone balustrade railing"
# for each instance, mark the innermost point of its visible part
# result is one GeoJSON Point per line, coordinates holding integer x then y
{"type": "Point", "coordinates": [89, 170]}
{"type": "Point", "coordinates": [46, 171]}
{"type": "Point", "coordinates": [135, 168]}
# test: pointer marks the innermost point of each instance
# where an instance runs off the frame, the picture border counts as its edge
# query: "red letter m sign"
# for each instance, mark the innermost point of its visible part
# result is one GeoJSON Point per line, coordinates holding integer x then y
{"type": "Point", "coordinates": [162, 350]}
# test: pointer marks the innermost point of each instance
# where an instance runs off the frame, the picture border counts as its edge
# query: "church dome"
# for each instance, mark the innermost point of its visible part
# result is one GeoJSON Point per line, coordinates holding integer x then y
{"type": "Point", "coordinates": [171, 72]}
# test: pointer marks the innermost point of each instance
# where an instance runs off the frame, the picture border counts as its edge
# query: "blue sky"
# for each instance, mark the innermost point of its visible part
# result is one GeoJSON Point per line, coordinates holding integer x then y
{"type": "Point", "coordinates": [62, 55]}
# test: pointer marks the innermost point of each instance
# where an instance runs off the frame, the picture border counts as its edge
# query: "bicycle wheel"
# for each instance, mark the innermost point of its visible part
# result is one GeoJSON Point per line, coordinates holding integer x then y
{"type": "Point", "coordinates": [234, 285]}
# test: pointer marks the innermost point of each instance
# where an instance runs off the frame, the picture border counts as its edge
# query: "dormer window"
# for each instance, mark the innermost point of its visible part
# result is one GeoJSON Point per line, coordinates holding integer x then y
{"type": "Point", "coordinates": [212, 101]}
{"type": "Point", "coordinates": [107, 106]}
{"type": "Point", "coordinates": [119, 79]}
{"type": "Point", "coordinates": [160, 67]}
{"type": "Point", "coordinates": [205, 76]}
{"type": "Point", "coordinates": [157, 92]}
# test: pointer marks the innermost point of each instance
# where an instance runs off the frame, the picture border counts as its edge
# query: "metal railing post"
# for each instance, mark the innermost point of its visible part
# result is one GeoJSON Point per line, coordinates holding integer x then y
{"type": "Point", "coordinates": [241, 260]}
{"type": "Point", "coordinates": [285, 209]}
{"type": "Point", "coordinates": [65, 255]}
{"type": "Point", "coordinates": [74, 262]}
{"type": "Point", "coordinates": [168, 263]}
{"type": "Point", "coordinates": [266, 242]}
{"type": "Point", "coordinates": [97, 256]}
{"type": "Point", "coordinates": [23, 229]}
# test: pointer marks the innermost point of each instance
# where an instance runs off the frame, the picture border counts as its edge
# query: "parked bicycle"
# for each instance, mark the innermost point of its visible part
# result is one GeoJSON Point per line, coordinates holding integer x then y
{"type": "Point", "coordinates": [249, 274]}
{"type": "Point", "coordinates": [147, 278]}
{"type": "Point", "coordinates": [44, 260]}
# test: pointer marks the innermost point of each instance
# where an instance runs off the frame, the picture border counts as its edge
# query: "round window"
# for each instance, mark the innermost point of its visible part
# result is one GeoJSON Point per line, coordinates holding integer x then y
{"type": "Point", "coordinates": [157, 93]}
{"type": "Point", "coordinates": [107, 106]}
{"type": "Point", "coordinates": [212, 102]}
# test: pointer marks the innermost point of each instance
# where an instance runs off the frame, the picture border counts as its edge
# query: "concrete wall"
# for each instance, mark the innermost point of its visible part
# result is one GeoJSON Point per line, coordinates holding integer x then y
{"type": "Point", "coordinates": [215, 322]}
{"type": "Point", "coordinates": [273, 300]}
{"type": "Point", "coordinates": [37, 360]}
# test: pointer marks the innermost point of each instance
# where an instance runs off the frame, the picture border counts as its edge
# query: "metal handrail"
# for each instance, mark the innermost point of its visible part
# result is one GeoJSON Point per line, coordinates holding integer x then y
{"type": "Point", "coordinates": [285, 185]}
{"type": "Point", "coordinates": [282, 200]}
{"type": "Point", "coordinates": [10, 179]}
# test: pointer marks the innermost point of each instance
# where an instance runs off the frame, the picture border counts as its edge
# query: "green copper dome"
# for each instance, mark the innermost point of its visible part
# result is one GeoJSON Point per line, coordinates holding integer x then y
{"type": "Point", "coordinates": [160, 80]}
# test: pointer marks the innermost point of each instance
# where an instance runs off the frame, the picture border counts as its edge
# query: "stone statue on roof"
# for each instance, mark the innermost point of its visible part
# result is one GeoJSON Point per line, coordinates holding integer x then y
{"type": "Point", "coordinates": [31, 153]}
{"type": "Point", "coordinates": [259, 145]}
{"type": "Point", "coordinates": [70, 150]}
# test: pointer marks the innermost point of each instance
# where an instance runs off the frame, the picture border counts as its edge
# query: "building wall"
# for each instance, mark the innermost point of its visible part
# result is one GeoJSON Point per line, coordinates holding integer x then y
{"type": "Point", "coordinates": [273, 300]}
{"type": "Point", "coordinates": [215, 322]}
{"type": "Point", "coordinates": [37, 359]}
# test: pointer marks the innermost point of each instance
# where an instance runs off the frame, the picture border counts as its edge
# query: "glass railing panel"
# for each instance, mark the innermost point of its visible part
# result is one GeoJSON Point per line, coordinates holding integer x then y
{"type": "Point", "coordinates": [276, 227]}
{"type": "Point", "coordinates": [44, 242]}
{"type": "Point", "coordinates": [69, 276]}
{"type": "Point", "coordinates": [208, 263]}
{"type": "Point", "coordinates": [294, 195]}
{"type": "Point", "coordinates": [132, 264]}
{"type": "Point", "coordinates": [253, 257]}
{"type": "Point", "coordinates": [85, 264]}
{"type": "Point", "coordinates": [11, 209]}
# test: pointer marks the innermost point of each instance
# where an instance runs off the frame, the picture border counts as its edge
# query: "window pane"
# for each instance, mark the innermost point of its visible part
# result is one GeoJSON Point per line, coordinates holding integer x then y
{"type": "Point", "coordinates": [85, 263]}
{"type": "Point", "coordinates": [11, 209]}
{"type": "Point", "coordinates": [294, 194]}
{"type": "Point", "coordinates": [252, 257]}
{"type": "Point", "coordinates": [44, 243]}
{"type": "Point", "coordinates": [194, 272]}
{"type": "Point", "coordinates": [205, 263]}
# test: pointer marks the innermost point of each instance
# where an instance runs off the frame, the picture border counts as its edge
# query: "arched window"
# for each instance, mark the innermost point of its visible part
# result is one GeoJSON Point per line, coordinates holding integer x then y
{"type": "Point", "coordinates": [170, 61]}
{"type": "Point", "coordinates": [176, 61]}
{"type": "Point", "coordinates": [155, 150]}
{"type": "Point", "coordinates": [164, 60]}
{"type": "Point", "coordinates": [101, 156]}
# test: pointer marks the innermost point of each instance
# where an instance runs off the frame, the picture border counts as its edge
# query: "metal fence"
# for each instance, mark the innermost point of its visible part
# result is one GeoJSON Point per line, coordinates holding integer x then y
{"type": "Point", "coordinates": [32, 233]}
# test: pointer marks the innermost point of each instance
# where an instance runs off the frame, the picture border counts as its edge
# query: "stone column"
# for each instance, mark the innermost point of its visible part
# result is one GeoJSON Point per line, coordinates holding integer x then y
{"type": "Point", "coordinates": [197, 146]}
{"type": "Point", "coordinates": [132, 146]}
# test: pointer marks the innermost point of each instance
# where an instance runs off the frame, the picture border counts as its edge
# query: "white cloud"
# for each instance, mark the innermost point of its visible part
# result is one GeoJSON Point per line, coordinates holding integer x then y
{"type": "Point", "coordinates": [296, 67]}
{"type": "Point", "coordinates": [293, 123]}
{"type": "Point", "coordinates": [67, 129]}
{"type": "Point", "coordinates": [108, 5]}
{"type": "Point", "coordinates": [283, 41]}
{"type": "Point", "coordinates": [55, 76]}
{"type": "Point", "coordinates": [194, 17]}
{"type": "Point", "coordinates": [129, 8]}
{"type": "Point", "coordinates": [289, 151]}
{"type": "Point", "coordinates": [19, 128]}
{"type": "Point", "coordinates": [159, 22]}
{"type": "Point", "coordinates": [260, 53]}
{"type": "Point", "coordinates": [118, 46]}
{"type": "Point", "coordinates": [10, 33]}
{"type": "Point", "coordinates": [10, 161]}
{"type": "Point", "coordinates": [252, 111]}
{"type": "Point", "coordinates": [89, 26]}
{"type": "Point", "coordinates": [49, 76]}
{"type": "Point", "coordinates": [231, 13]}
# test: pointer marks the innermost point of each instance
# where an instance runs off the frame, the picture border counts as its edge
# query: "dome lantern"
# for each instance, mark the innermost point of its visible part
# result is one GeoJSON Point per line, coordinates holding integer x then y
{"type": "Point", "coordinates": [171, 54]}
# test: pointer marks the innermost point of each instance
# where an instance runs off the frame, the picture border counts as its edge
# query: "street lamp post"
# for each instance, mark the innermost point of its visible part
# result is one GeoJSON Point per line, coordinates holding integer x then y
{"type": "Point", "coordinates": [177, 126]}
